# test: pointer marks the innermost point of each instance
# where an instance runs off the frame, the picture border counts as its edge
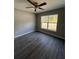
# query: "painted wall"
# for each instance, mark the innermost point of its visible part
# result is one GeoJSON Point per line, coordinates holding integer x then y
{"type": "Point", "coordinates": [24, 22]}
{"type": "Point", "coordinates": [60, 25]}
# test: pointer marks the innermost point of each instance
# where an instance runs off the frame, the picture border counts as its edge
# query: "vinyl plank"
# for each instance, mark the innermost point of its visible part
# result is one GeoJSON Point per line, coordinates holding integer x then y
{"type": "Point", "coordinates": [38, 46]}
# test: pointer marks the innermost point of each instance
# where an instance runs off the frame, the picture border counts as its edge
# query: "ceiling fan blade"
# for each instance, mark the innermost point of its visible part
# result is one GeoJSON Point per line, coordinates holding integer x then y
{"type": "Point", "coordinates": [42, 4]}
{"type": "Point", "coordinates": [31, 2]}
{"type": "Point", "coordinates": [41, 8]}
{"type": "Point", "coordinates": [29, 7]}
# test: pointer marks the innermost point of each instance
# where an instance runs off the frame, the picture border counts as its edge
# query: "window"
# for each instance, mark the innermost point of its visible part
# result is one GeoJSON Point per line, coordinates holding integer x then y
{"type": "Point", "coordinates": [49, 22]}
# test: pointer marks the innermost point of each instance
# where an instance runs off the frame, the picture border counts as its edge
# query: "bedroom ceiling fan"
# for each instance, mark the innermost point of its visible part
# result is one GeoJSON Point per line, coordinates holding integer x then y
{"type": "Point", "coordinates": [36, 5]}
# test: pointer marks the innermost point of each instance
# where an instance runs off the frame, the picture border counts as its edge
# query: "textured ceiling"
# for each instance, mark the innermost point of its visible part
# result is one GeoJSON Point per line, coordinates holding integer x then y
{"type": "Point", "coordinates": [51, 4]}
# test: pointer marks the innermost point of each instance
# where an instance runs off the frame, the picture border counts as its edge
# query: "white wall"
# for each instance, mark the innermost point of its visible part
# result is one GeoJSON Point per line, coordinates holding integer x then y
{"type": "Point", "coordinates": [24, 22]}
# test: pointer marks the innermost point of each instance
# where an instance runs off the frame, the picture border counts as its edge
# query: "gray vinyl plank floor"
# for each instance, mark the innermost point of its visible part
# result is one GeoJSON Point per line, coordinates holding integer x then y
{"type": "Point", "coordinates": [37, 45]}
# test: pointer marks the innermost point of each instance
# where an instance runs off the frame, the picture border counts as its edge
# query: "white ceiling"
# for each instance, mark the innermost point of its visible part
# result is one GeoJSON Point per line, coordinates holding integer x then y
{"type": "Point", "coordinates": [51, 4]}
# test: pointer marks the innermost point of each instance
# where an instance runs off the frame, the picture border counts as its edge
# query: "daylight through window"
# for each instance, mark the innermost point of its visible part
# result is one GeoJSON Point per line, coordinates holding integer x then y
{"type": "Point", "coordinates": [49, 22]}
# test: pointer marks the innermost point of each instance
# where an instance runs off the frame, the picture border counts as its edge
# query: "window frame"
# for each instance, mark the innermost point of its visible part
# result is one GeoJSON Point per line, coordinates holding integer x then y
{"type": "Point", "coordinates": [49, 22]}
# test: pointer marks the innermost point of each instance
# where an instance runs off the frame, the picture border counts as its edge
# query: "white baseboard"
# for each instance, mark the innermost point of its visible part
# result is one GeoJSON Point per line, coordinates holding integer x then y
{"type": "Point", "coordinates": [22, 34]}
